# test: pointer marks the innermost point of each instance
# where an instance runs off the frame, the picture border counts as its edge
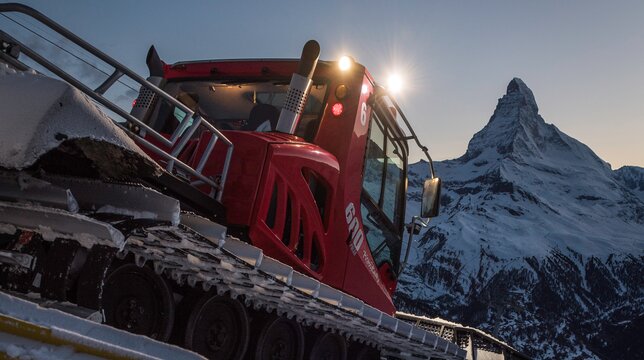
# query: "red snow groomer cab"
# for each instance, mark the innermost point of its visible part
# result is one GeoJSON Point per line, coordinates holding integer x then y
{"type": "Point", "coordinates": [318, 175]}
{"type": "Point", "coordinates": [242, 209]}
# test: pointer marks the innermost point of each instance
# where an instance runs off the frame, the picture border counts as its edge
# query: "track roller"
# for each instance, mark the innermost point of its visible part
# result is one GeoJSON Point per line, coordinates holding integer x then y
{"type": "Point", "coordinates": [325, 346]}
{"type": "Point", "coordinates": [139, 301]}
{"type": "Point", "coordinates": [217, 328]}
{"type": "Point", "coordinates": [363, 352]}
{"type": "Point", "coordinates": [277, 338]}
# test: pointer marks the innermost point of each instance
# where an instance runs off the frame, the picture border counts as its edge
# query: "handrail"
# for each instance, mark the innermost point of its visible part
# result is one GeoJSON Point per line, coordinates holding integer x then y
{"type": "Point", "coordinates": [380, 91]}
{"type": "Point", "coordinates": [178, 139]}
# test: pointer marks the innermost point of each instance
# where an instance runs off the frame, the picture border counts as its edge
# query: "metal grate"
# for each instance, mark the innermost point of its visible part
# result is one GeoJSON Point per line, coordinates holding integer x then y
{"type": "Point", "coordinates": [144, 100]}
{"type": "Point", "coordinates": [462, 339]}
{"type": "Point", "coordinates": [435, 329]}
{"type": "Point", "coordinates": [448, 334]}
{"type": "Point", "coordinates": [486, 345]}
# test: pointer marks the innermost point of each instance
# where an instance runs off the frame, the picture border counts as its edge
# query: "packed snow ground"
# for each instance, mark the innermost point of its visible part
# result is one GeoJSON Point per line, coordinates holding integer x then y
{"type": "Point", "coordinates": [78, 331]}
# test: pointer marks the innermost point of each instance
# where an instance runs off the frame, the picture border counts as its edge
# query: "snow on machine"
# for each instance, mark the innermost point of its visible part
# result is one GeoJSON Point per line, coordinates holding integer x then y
{"type": "Point", "coordinates": [239, 209]}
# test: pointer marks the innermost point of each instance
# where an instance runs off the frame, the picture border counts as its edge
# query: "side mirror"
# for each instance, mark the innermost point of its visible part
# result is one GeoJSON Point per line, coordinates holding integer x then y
{"type": "Point", "coordinates": [431, 198]}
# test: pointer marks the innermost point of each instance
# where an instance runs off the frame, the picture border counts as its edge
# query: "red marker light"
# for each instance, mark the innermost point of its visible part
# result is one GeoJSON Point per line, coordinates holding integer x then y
{"type": "Point", "coordinates": [337, 109]}
{"type": "Point", "coordinates": [134, 103]}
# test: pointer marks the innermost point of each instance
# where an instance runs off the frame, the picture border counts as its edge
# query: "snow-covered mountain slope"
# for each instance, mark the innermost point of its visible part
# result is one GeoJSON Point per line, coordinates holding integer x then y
{"type": "Point", "coordinates": [632, 177]}
{"type": "Point", "coordinates": [539, 241]}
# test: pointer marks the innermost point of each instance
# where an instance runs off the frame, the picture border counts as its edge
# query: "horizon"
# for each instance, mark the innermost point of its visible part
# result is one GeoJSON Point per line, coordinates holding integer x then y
{"type": "Point", "coordinates": [581, 59]}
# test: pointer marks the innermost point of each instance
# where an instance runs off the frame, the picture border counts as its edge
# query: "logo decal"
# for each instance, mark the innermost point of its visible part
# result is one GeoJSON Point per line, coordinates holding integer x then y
{"type": "Point", "coordinates": [355, 230]}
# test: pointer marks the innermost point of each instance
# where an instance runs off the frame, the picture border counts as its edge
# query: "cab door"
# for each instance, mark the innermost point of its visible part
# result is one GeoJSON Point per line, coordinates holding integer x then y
{"type": "Point", "coordinates": [383, 199]}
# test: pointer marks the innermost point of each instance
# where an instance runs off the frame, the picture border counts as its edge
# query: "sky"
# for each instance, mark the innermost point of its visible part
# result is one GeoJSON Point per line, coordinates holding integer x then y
{"type": "Point", "coordinates": [583, 60]}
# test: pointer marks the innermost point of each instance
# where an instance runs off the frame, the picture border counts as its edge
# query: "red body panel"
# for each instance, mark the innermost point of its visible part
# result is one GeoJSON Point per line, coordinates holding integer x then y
{"type": "Point", "coordinates": [297, 233]}
{"type": "Point", "coordinates": [268, 181]}
{"type": "Point", "coordinates": [346, 137]}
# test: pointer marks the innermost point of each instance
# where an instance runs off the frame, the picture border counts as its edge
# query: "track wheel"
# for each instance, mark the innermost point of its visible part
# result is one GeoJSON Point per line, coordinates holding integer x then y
{"type": "Point", "coordinates": [139, 301]}
{"type": "Point", "coordinates": [326, 346]}
{"type": "Point", "coordinates": [279, 339]}
{"type": "Point", "coordinates": [363, 352]}
{"type": "Point", "coordinates": [218, 328]}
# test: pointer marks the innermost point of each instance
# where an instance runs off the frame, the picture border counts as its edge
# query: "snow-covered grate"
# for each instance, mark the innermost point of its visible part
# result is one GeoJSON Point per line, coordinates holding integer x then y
{"type": "Point", "coordinates": [435, 329]}
{"type": "Point", "coordinates": [467, 338]}
{"type": "Point", "coordinates": [484, 344]}
{"type": "Point", "coordinates": [462, 339]}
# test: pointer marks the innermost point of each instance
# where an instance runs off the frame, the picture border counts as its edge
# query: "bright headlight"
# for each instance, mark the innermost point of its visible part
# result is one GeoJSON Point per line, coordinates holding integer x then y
{"type": "Point", "coordinates": [345, 63]}
{"type": "Point", "coordinates": [394, 83]}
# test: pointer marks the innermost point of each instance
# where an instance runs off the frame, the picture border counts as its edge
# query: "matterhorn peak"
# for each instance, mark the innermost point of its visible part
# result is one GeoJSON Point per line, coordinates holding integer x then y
{"type": "Point", "coordinates": [516, 117]}
{"type": "Point", "coordinates": [518, 98]}
{"type": "Point", "coordinates": [517, 88]}
{"type": "Point", "coordinates": [516, 132]}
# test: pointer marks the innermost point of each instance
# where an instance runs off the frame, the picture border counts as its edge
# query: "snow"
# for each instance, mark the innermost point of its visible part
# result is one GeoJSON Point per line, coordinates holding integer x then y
{"type": "Point", "coordinates": [115, 239]}
{"type": "Point", "coordinates": [108, 209]}
{"type": "Point", "coordinates": [7, 229]}
{"type": "Point", "coordinates": [23, 349]}
{"type": "Point", "coordinates": [632, 177]}
{"type": "Point", "coordinates": [39, 113]}
{"type": "Point", "coordinates": [78, 331]}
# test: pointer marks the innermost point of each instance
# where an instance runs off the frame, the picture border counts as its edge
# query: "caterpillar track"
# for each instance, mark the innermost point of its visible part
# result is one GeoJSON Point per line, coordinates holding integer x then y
{"type": "Point", "coordinates": [206, 262]}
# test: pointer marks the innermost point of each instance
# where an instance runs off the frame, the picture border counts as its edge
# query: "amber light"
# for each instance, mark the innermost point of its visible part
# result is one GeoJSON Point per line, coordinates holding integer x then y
{"type": "Point", "coordinates": [341, 92]}
{"type": "Point", "coordinates": [337, 109]}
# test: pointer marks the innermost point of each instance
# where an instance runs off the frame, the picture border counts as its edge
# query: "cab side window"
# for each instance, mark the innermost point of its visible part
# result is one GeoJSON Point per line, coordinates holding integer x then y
{"type": "Point", "coordinates": [381, 205]}
{"type": "Point", "coordinates": [374, 160]}
{"type": "Point", "coordinates": [394, 178]}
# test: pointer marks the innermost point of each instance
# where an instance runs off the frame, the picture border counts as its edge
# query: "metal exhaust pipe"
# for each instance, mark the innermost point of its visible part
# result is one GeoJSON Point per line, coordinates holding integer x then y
{"type": "Point", "coordinates": [146, 100]}
{"type": "Point", "coordinates": [298, 89]}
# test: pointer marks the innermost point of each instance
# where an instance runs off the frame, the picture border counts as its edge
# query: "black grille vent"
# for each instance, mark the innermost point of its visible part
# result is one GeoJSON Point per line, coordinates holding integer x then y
{"type": "Point", "coordinates": [272, 209]}
{"type": "Point", "coordinates": [145, 98]}
{"type": "Point", "coordinates": [295, 100]}
{"type": "Point", "coordinates": [286, 235]}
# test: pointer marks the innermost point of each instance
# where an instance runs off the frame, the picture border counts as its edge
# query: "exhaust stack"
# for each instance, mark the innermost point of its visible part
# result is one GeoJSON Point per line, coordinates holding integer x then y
{"type": "Point", "coordinates": [298, 89]}
{"type": "Point", "coordinates": [146, 100]}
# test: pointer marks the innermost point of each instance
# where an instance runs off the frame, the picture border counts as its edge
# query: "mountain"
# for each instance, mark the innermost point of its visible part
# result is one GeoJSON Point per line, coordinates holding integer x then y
{"type": "Point", "coordinates": [539, 242]}
{"type": "Point", "coordinates": [632, 177]}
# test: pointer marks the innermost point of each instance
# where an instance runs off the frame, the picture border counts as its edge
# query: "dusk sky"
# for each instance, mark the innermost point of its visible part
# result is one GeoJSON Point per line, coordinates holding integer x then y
{"type": "Point", "coordinates": [584, 60]}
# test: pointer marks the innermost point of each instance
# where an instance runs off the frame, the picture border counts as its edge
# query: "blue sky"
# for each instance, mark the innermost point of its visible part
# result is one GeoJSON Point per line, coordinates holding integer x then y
{"type": "Point", "coordinates": [584, 60]}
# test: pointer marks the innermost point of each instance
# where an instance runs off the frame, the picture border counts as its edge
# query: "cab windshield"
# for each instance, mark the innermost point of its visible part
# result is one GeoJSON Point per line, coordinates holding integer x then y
{"type": "Point", "coordinates": [251, 106]}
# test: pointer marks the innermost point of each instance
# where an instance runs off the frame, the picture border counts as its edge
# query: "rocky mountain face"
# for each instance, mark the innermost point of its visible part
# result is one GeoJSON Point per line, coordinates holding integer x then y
{"type": "Point", "coordinates": [539, 242]}
{"type": "Point", "coordinates": [632, 177]}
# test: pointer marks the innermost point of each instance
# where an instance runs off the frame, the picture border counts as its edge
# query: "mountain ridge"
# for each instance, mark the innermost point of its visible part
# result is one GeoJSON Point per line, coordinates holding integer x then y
{"type": "Point", "coordinates": [530, 216]}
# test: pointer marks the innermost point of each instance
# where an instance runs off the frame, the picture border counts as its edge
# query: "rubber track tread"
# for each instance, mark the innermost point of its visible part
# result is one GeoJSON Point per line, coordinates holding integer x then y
{"type": "Point", "coordinates": [187, 257]}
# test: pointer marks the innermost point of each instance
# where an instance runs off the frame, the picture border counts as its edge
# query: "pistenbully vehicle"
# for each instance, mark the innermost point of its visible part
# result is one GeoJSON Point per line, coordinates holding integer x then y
{"type": "Point", "coordinates": [242, 208]}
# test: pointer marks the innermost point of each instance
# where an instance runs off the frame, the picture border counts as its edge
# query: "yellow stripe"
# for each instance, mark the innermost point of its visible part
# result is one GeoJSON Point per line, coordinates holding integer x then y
{"type": "Point", "coordinates": [31, 331]}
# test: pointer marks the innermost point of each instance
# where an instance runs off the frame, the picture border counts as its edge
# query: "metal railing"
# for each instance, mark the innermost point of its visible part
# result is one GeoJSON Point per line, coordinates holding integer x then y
{"type": "Point", "coordinates": [382, 92]}
{"type": "Point", "coordinates": [176, 142]}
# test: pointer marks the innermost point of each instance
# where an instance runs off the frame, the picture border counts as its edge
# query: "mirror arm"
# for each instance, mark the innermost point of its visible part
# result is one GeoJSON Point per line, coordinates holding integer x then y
{"type": "Point", "coordinates": [414, 220]}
